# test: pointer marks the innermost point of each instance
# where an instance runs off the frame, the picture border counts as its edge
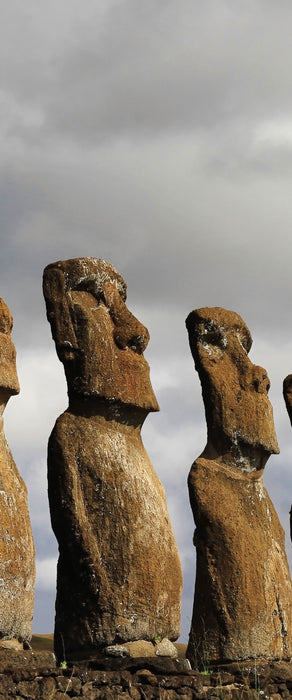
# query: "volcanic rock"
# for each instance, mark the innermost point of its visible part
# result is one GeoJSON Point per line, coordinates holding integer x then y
{"type": "Point", "coordinates": [141, 649]}
{"type": "Point", "coordinates": [287, 393]}
{"type": "Point", "coordinates": [17, 563]}
{"type": "Point", "coordinates": [243, 592]}
{"type": "Point", "coordinates": [166, 648]}
{"type": "Point", "coordinates": [118, 650]}
{"type": "Point", "coordinates": [119, 576]}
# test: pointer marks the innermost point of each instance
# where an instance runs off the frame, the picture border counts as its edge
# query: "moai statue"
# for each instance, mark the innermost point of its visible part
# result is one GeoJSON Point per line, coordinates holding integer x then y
{"type": "Point", "coordinates": [287, 393]}
{"type": "Point", "coordinates": [243, 592]}
{"type": "Point", "coordinates": [17, 560]}
{"type": "Point", "coordinates": [119, 576]}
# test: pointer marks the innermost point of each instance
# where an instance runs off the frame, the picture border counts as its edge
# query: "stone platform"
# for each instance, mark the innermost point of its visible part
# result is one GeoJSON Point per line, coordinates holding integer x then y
{"type": "Point", "coordinates": [30, 675]}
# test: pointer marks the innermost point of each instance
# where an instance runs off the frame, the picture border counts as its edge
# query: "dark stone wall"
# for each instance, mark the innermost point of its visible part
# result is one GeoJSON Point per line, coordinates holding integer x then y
{"type": "Point", "coordinates": [245, 681]}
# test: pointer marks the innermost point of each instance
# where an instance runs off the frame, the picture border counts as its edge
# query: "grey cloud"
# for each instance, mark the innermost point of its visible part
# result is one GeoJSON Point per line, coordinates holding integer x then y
{"type": "Point", "coordinates": [130, 133]}
{"type": "Point", "coordinates": [151, 68]}
{"type": "Point", "coordinates": [135, 68]}
{"type": "Point", "coordinates": [181, 238]}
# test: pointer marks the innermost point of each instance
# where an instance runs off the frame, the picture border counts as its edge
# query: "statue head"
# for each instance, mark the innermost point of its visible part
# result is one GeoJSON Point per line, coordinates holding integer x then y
{"type": "Point", "coordinates": [235, 391]}
{"type": "Point", "coordinates": [287, 393]}
{"type": "Point", "coordinates": [8, 376]}
{"type": "Point", "coordinates": [99, 341]}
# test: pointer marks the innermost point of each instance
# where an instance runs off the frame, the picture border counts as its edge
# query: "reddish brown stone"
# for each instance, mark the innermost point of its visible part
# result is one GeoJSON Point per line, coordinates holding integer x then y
{"type": "Point", "coordinates": [17, 566]}
{"type": "Point", "coordinates": [99, 341]}
{"type": "Point", "coordinates": [287, 393]}
{"type": "Point", "coordinates": [243, 593]}
{"type": "Point", "coordinates": [119, 576]}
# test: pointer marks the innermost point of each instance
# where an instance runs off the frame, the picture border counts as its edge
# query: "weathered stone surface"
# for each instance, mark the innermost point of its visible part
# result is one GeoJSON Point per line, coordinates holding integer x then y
{"type": "Point", "coordinates": [11, 644]}
{"type": "Point", "coordinates": [256, 680]}
{"type": "Point", "coordinates": [119, 576]}
{"type": "Point", "coordinates": [140, 649]}
{"type": "Point", "coordinates": [166, 648]}
{"type": "Point", "coordinates": [9, 658]}
{"type": "Point", "coordinates": [161, 664]}
{"type": "Point", "coordinates": [17, 566]}
{"type": "Point", "coordinates": [243, 592]}
{"type": "Point", "coordinates": [287, 393]}
{"type": "Point", "coordinates": [99, 341]}
{"type": "Point", "coordinates": [117, 650]}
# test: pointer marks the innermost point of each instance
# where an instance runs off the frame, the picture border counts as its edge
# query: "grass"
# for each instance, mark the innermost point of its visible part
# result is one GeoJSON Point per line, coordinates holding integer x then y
{"type": "Point", "coordinates": [181, 650]}
{"type": "Point", "coordinates": [42, 642]}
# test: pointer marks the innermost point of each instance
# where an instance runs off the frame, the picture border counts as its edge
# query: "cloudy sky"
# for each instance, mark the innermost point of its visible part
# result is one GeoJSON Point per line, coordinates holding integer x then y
{"type": "Point", "coordinates": [156, 135]}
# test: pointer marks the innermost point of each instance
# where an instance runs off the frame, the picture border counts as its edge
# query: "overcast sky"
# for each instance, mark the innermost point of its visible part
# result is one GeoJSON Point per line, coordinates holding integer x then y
{"type": "Point", "coordinates": [156, 135]}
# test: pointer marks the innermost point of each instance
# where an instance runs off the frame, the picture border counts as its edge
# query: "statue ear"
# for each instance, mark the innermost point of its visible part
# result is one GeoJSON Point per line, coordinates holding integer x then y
{"type": "Point", "coordinates": [58, 311]}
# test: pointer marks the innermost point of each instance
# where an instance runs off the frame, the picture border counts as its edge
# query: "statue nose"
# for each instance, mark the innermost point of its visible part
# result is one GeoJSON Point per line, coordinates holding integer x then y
{"type": "Point", "coordinates": [128, 331]}
{"type": "Point", "coordinates": [260, 380]}
{"type": "Point", "coordinates": [131, 333]}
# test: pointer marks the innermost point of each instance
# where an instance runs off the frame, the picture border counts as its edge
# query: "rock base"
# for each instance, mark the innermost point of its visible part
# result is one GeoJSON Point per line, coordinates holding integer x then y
{"type": "Point", "coordinates": [9, 658]}
{"type": "Point", "coordinates": [142, 648]}
{"type": "Point", "coordinates": [157, 678]}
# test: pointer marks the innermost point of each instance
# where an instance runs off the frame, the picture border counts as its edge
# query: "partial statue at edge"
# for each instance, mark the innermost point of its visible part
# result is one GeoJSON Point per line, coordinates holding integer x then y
{"type": "Point", "coordinates": [243, 592]}
{"type": "Point", "coordinates": [287, 393]}
{"type": "Point", "coordinates": [17, 556]}
{"type": "Point", "coordinates": [119, 576]}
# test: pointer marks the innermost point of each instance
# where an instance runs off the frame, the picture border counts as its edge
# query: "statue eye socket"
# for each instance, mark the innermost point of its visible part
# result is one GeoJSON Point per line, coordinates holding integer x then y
{"type": "Point", "coordinates": [216, 338]}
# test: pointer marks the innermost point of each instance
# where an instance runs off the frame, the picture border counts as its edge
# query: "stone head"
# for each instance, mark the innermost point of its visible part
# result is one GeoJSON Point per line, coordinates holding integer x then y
{"type": "Point", "coordinates": [9, 385]}
{"type": "Point", "coordinates": [287, 393]}
{"type": "Point", "coordinates": [235, 391]}
{"type": "Point", "coordinates": [99, 341]}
